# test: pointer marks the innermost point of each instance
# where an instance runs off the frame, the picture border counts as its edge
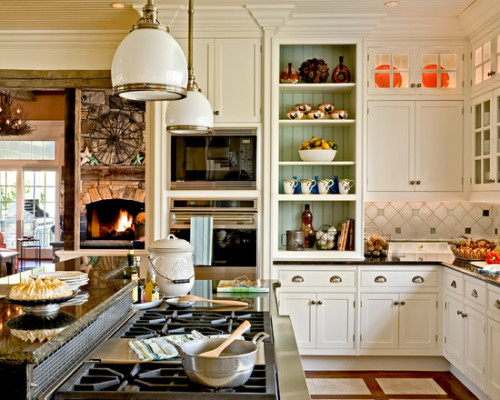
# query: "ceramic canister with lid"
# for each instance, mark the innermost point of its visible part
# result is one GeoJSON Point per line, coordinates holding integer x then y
{"type": "Point", "coordinates": [172, 260]}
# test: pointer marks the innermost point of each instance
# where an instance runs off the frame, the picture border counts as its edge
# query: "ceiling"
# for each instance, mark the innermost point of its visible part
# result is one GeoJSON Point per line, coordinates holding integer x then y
{"type": "Point", "coordinates": [99, 15]}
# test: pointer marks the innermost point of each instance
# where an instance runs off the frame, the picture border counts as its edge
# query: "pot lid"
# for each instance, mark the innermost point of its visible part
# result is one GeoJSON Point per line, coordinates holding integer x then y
{"type": "Point", "coordinates": [171, 243]}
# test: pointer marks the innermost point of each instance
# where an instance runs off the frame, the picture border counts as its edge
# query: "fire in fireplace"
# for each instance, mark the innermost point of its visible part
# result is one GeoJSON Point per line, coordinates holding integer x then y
{"type": "Point", "coordinates": [115, 219]}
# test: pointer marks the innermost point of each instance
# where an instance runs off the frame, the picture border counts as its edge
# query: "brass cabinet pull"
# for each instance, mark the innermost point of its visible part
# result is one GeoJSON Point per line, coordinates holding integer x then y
{"type": "Point", "coordinates": [453, 284]}
{"type": "Point", "coordinates": [413, 85]}
{"type": "Point", "coordinates": [497, 303]}
{"type": "Point", "coordinates": [418, 182]}
{"type": "Point", "coordinates": [419, 85]}
{"type": "Point", "coordinates": [335, 279]}
{"type": "Point", "coordinates": [216, 112]}
{"type": "Point", "coordinates": [412, 182]}
{"type": "Point", "coordinates": [297, 278]}
{"type": "Point", "coordinates": [459, 312]}
{"type": "Point", "coordinates": [403, 303]}
{"type": "Point", "coordinates": [464, 315]}
{"type": "Point", "coordinates": [474, 293]}
{"type": "Point", "coordinates": [380, 279]}
{"type": "Point", "coordinates": [396, 303]}
{"type": "Point", "coordinates": [313, 302]}
{"type": "Point", "coordinates": [320, 302]}
{"type": "Point", "coordinates": [418, 279]}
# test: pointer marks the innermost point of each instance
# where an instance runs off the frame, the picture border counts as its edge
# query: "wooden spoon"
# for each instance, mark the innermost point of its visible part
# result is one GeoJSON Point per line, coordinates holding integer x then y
{"type": "Point", "coordinates": [216, 352]}
{"type": "Point", "coordinates": [189, 297]}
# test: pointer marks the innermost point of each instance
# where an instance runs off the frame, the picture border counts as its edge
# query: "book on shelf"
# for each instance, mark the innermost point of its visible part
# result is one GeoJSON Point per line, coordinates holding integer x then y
{"type": "Point", "coordinates": [346, 236]}
{"type": "Point", "coordinates": [242, 286]}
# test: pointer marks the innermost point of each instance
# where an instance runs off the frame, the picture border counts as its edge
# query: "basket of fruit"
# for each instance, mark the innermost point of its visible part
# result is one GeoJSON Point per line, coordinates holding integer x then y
{"type": "Point", "coordinates": [465, 248]}
{"type": "Point", "coordinates": [318, 149]}
{"type": "Point", "coordinates": [377, 245]}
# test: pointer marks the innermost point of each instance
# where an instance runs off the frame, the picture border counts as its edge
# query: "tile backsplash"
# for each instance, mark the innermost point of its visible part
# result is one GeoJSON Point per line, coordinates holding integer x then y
{"type": "Point", "coordinates": [433, 220]}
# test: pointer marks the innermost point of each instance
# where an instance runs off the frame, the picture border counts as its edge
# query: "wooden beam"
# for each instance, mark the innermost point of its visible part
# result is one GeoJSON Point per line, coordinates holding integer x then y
{"type": "Point", "coordinates": [71, 170]}
{"type": "Point", "coordinates": [110, 172]}
{"type": "Point", "coordinates": [55, 79]}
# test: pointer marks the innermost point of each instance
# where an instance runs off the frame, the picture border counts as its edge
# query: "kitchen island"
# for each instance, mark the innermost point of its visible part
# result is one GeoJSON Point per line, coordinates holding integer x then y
{"type": "Point", "coordinates": [35, 370]}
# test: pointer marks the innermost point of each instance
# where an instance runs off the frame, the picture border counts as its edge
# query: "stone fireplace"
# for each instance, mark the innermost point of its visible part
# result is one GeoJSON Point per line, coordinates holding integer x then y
{"type": "Point", "coordinates": [112, 192]}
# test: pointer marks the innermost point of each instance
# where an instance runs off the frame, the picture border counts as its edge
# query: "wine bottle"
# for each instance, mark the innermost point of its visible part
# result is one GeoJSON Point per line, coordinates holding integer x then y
{"type": "Point", "coordinates": [307, 227]}
{"type": "Point", "coordinates": [341, 73]}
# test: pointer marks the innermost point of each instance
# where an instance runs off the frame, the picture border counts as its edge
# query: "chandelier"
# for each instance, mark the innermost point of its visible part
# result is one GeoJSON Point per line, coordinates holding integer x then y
{"type": "Point", "coordinates": [12, 121]}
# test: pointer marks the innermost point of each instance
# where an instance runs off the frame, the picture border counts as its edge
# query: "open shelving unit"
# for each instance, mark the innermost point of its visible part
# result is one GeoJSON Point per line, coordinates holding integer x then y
{"type": "Point", "coordinates": [287, 135]}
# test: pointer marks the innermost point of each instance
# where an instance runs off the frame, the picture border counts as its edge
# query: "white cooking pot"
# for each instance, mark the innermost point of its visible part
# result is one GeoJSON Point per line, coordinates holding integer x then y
{"type": "Point", "coordinates": [172, 260]}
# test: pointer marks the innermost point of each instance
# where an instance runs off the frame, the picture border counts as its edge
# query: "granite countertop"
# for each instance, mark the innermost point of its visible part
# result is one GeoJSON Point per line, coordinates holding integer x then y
{"type": "Point", "coordinates": [104, 289]}
{"type": "Point", "coordinates": [445, 259]}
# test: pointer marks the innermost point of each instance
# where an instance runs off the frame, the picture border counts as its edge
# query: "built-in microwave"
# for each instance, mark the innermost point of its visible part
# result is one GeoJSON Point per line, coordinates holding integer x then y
{"type": "Point", "coordinates": [223, 159]}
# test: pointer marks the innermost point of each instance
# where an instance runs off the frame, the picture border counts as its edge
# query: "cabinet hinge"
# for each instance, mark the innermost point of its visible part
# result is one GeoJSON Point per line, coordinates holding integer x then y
{"type": "Point", "coordinates": [470, 181]}
{"type": "Point", "coordinates": [367, 111]}
{"type": "Point", "coordinates": [367, 57]}
{"type": "Point", "coordinates": [463, 84]}
{"type": "Point", "coordinates": [445, 339]}
{"type": "Point", "coordinates": [471, 55]}
{"type": "Point", "coordinates": [360, 338]}
{"type": "Point", "coordinates": [445, 305]}
{"type": "Point", "coordinates": [353, 337]}
{"type": "Point", "coordinates": [462, 110]}
{"type": "Point", "coordinates": [361, 303]}
{"type": "Point", "coordinates": [437, 304]}
{"type": "Point", "coordinates": [463, 56]}
{"type": "Point", "coordinates": [354, 304]}
{"type": "Point", "coordinates": [368, 84]}
{"type": "Point", "coordinates": [436, 338]}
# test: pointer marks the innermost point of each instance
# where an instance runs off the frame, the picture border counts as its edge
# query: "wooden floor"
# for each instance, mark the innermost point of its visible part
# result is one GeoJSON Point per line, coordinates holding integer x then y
{"type": "Point", "coordinates": [386, 385]}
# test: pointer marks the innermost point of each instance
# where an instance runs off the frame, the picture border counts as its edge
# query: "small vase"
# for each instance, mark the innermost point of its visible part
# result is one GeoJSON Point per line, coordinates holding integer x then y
{"type": "Point", "coordinates": [341, 73]}
{"type": "Point", "coordinates": [289, 75]}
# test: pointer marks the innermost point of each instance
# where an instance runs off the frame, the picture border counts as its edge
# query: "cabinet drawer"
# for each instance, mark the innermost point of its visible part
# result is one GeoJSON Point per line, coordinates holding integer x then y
{"type": "Point", "coordinates": [494, 300]}
{"type": "Point", "coordinates": [317, 278]}
{"type": "Point", "coordinates": [475, 290]}
{"type": "Point", "coordinates": [454, 282]}
{"type": "Point", "coordinates": [399, 278]}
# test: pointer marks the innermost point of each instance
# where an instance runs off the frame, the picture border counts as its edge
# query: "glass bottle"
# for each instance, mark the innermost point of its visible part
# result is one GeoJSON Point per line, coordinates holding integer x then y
{"type": "Point", "coordinates": [335, 187]}
{"type": "Point", "coordinates": [307, 227]}
{"type": "Point", "coordinates": [341, 73]}
{"type": "Point", "coordinates": [130, 270]}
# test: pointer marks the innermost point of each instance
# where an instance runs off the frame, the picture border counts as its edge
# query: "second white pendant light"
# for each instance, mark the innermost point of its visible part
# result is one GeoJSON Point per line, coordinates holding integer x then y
{"type": "Point", "coordinates": [192, 114]}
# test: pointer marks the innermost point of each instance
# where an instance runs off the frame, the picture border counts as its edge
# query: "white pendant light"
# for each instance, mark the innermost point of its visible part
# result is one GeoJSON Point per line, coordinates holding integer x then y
{"type": "Point", "coordinates": [194, 113]}
{"type": "Point", "coordinates": [149, 64]}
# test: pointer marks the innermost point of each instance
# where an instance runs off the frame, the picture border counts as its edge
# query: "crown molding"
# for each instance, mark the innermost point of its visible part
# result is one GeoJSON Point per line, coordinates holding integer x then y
{"type": "Point", "coordinates": [270, 17]}
{"type": "Point", "coordinates": [34, 38]}
{"type": "Point", "coordinates": [412, 28]}
{"type": "Point", "coordinates": [480, 17]}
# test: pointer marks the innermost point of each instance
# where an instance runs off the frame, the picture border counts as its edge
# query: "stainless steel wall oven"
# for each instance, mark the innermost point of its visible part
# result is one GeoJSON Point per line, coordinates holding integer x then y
{"type": "Point", "coordinates": [234, 228]}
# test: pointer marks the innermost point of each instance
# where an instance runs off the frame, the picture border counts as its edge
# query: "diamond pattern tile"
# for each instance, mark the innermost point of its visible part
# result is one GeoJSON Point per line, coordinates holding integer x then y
{"type": "Point", "coordinates": [436, 215]}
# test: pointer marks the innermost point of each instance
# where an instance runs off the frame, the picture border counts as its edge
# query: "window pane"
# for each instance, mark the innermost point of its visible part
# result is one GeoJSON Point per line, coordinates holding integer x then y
{"type": "Point", "coordinates": [382, 59]}
{"type": "Point", "coordinates": [449, 61]}
{"type": "Point", "coordinates": [429, 61]}
{"type": "Point", "coordinates": [8, 198]}
{"type": "Point", "coordinates": [50, 209]}
{"type": "Point", "coordinates": [478, 57]}
{"type": "Point", "coordinates": [13, 150]}
{"type": "Point", "coordinates": [487, 51]}
{"type": "Point", "coordinates": [25, 150]}
{"type": "Point", "coordinates": [401, 61]}
{"type": "Point", "coordinates": [50, 178]}
{"type": "Point", "coordinates": [12, 178]}
{"type": "Point", "coordinates": [29, 178]}
{"type": "Point", "coordinates": [49, 151]}
{"type": "Point", "coordinates": [3, 150]}
{"type": "Point", "coordinates": [478, 75]}
{"type": "Point", "coordinates": [37, 150]}
{"type": "Point", "coordinates": [39, 178]}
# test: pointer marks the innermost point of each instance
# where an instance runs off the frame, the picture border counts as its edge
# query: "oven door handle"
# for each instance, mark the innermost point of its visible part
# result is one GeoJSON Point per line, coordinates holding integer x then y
{"type": "Point", "coordinates": [187, 219]}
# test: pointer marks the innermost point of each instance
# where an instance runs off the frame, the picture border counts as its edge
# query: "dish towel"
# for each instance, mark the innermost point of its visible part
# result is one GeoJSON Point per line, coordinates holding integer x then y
{"type": "Point", "coordinates": [201, 238]}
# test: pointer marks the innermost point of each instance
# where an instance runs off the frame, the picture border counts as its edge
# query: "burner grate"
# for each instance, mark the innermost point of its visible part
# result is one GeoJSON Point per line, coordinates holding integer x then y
{"type": "Point", "coordinates": [161, 322]}
{"type": "Point", "coordinates": [157, 380]}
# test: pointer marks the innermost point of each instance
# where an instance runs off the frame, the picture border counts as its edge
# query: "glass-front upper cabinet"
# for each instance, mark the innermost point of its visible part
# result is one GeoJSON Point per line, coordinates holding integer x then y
{"type": "Point", "coordinates": [486, 142]}
{"type": "Point", "coordinates": [415, 71]}
{"type": "Point", "coordinates": [486, 61]}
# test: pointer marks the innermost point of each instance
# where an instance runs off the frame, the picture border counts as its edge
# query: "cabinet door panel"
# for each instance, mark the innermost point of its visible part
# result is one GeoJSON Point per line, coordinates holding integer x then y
{"type": "Point", "coordinates": [379, 321]}
{"type": "Point", "coordinates": [454, 331]}
{"type": "Point", "coordinates": [475, 346]}
{"type": "Point", "coordinates": [335, 319]}
{"type": "Point", "coordinates": [303, 315]}
{"type": "Point", "coordinates": [390, 155]}
{"type": "Point", "coordinates": [493, 366]}
{"type": "Point", "coordinates": [438, 146]}
{"type": "Point", "coordinates": [237, 66]}
{"type": "Point", "coordinates": [417, 321]}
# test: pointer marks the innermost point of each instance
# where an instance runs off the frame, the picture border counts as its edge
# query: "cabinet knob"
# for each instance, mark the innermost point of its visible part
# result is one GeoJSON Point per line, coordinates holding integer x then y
{"type": "Point", "coordinates": [297, 278]}
{"type": "Point", "coordinates": [464, 315]}
{"type": "Point", "coordinates": [413, 85]}
{"type": "Point", "coordinates": [320, 302]}
{"type": "Point", "coordinates": [474, 293]}
{"type": "Point", "coordinates": [335, 279]}
{"type": "Point", "coordinates": [396, 303]}
{"type": "Point", "coordinates": [216, 112]}
{"type": "Point", "coordinates": [497, 303]}
{"type": "Point", "coordinates": [418, 279]}
{"type": "Point", "coordinates": [403, 303]}
{"type": "Point", "coordinates": [412, 182]}
{"type": "Point", "coordinates": [313, 302]}
{"type": "Point", "coordinates": [453, 284]}
{"type": "Point", "coordinates": [459, 312]}
{"type": "Point", "coordinates": [380, 279]}
{"type": "Point", "coordinates": [418, 182]}
{"type": "Point", "coordinates": [491, 73]}
{"type": "Point", "coordinates": [419, 85]}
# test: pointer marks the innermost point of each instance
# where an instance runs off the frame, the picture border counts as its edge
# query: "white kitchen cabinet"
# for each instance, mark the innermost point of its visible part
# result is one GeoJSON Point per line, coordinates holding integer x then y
{"type": "Point", "coordinates": [493, 360]}
{"type": "Point", "coordinates": [398, 320]}
{"type": "Point", "coordinates": [233, 87]}
{"type": "Point", "coordinates": [415, 71]}
{"type": "Point", "coordinates": [486, 142]}
{"type": "Point", "coordinates": [288, 135]}
{"type": "Point", "coordinates": [486, 61]}
{"type": "Point", "coordinates": [409, 142]}
{"type": "Point", "coordinates": [465, 344]}
{"type": "Point", "coordinates": [321, 305]}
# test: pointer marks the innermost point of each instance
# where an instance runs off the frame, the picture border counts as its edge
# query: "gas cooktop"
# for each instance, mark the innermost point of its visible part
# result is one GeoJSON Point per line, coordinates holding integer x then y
{"type": "Point", "coordinates": [161, 322]}
{"type": "Point", "coordinates": [158, 380]}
